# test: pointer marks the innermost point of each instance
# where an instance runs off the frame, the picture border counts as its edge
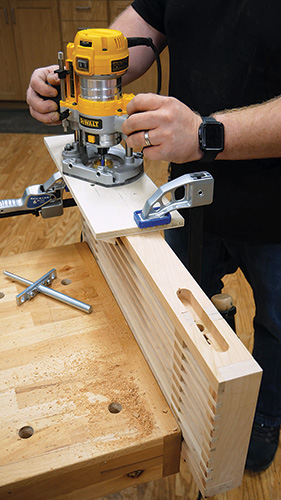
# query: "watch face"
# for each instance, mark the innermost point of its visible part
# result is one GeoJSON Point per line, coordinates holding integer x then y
{"type": "Point", "coordinates": [212, 136]}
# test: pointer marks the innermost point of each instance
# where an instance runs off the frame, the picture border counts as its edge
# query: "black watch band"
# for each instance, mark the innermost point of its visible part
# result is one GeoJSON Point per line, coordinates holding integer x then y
{"type": "Point", "coordinates": [211, 138]}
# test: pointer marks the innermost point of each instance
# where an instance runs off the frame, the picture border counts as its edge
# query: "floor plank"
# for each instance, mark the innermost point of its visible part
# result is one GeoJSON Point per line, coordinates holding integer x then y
{"type": "Point", "coordinates": [25, 161]}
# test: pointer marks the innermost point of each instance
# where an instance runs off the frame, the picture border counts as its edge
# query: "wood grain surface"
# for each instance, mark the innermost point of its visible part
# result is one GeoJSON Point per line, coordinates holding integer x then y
{"type": "Point", "coordinates": [80, 383]}
{"type": "Point", "coordinates": [25, 161]}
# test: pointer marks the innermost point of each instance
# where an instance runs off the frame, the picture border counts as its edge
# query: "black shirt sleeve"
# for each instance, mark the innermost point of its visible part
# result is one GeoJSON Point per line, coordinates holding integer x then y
{"type": "Point", "coordinates": [152, 11]}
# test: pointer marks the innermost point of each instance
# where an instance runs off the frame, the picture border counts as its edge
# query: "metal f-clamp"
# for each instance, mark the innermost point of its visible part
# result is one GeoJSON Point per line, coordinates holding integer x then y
{"type": "Point", "coordinates": [42, 285]}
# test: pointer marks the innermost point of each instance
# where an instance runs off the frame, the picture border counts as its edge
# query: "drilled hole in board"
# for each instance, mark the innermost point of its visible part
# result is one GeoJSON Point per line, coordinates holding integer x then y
{"type": "Point", "coordinates": [201, 327]}
{"type": "Point", "coordinates": [26, 432]}
{"type": "Point", "coordinates": [114, 408]}
{"type": "Point", "coordinates": [2, 295]}
{"type": "Point", "coordinates": [66, 281]}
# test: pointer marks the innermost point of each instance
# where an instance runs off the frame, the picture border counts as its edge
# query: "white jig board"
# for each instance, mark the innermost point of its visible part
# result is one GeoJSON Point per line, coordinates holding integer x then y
{"type": "Point", "coordinates": [108, 210]}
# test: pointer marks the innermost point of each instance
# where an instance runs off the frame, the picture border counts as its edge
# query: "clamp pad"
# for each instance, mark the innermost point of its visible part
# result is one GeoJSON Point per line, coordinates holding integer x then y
{"type": "Point", "coordinates": [156, 221]}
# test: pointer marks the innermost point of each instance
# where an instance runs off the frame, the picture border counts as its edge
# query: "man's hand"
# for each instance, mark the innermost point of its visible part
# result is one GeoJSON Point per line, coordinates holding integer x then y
{"type": "Point", "coordinates": [41, 84]}
{"type": "Point", "coordinates": [172, 128]}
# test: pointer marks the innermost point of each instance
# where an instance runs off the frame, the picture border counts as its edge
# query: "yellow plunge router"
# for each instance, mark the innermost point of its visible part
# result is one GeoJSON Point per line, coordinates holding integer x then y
{"type": "Point", "coordinates": [93, 106]}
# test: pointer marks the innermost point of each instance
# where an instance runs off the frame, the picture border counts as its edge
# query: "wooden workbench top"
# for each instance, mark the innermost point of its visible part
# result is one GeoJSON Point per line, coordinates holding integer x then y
{"type": "Point", "coordinates": [61, 369]}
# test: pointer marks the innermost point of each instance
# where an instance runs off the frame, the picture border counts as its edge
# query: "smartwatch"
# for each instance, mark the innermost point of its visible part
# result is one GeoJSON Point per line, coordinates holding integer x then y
{"type": "Point", "coordinates": [211, 138]}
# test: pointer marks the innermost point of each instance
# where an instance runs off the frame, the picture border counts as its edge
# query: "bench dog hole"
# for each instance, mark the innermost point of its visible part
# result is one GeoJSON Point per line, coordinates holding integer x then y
{"type": "Point", "coordinates": [114, 407]}
{"type": "Point", "coordinates": [66, 281]}
{"type": "Point", "coordinates": [26, 432]}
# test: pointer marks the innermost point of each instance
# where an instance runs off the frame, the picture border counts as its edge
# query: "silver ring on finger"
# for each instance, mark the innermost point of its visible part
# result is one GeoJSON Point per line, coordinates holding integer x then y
{"type": "Point", "coordinates": [146, 139]}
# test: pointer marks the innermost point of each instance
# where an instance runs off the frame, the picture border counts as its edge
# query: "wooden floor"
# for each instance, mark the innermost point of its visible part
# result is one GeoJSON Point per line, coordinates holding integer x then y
{"type": "Point", "coordinates": [25, 161]}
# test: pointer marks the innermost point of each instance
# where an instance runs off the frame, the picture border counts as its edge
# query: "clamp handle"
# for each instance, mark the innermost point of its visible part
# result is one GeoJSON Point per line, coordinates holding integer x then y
{"type": "Point", "coordinates": [45, 197]}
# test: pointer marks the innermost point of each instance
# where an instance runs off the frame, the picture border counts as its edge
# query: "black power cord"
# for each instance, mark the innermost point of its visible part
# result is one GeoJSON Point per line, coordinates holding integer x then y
{"type": "Point", "coordinates": [137, 41]}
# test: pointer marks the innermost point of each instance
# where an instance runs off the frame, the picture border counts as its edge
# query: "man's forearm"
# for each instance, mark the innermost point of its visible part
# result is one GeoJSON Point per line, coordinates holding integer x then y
{"type": "Point", "coordinates": [252, 132]}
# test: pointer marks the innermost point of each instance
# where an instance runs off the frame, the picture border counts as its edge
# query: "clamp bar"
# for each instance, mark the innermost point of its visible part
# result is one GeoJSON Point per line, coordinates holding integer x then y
{"type": "Point", "coordinates": [37, 287]}
{"type": "Point", "coordinates": [46, 199]}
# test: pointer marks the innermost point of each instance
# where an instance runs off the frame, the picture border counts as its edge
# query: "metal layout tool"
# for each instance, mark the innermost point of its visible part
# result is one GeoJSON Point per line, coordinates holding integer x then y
{"type": "Point", "coordinates": [42, 285]}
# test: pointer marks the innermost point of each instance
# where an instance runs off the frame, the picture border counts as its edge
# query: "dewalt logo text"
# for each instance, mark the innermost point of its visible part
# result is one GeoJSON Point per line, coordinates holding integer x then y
{"type": "Point", "coordinates": [90, 123]}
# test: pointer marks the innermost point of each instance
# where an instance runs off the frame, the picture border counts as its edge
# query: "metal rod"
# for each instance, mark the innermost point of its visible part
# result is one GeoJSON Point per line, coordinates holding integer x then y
{"type": "Point", "coordinates": [13, 15]}
{"type": "Point", "coordinates": [129, 151]}
{"type": "Point", "coordinates": [53, 293]}
{"type": "Point", "coordinates": [61, 67]}
{"type": "Point", "coordinates": [6, 15]}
